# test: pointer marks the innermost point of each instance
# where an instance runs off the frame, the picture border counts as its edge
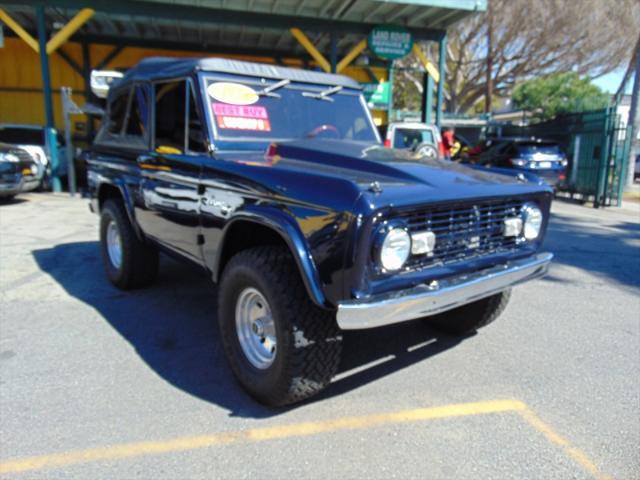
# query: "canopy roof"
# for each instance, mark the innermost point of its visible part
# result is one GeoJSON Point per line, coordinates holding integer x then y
{"type": "Point", "coordinates": [244, 26]}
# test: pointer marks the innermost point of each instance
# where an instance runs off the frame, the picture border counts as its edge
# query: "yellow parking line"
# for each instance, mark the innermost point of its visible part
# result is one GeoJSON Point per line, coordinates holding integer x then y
{"type": "Point", "coordinates": [256, 435]}
{"type": "Point", "coordinates": [139, 449]}
{"type": "Point", "coordinates": [554, 437]}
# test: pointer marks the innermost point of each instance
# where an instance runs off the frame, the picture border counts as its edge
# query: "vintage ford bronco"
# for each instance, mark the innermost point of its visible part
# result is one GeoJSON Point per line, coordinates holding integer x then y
{"type": "Point", "coordinates": [275, 181]}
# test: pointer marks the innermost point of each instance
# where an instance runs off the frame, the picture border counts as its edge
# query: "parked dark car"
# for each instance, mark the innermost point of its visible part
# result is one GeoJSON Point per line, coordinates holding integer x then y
{"type": "Point", "coordinates": [18, 171]}
{"type": "Point", "coordinates": [275, 181]}
{"type": "Point", "coordinates": [543, 158]}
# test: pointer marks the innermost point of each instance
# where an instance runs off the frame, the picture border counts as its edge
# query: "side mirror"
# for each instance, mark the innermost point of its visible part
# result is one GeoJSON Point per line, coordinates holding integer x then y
{"type": "Point", "coordinates": [101, 81]}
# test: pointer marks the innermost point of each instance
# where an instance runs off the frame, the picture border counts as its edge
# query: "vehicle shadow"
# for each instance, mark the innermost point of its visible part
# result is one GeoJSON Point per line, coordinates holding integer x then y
{"type": "Point", "coordinates": [612, 251]}
{"type": "Point", "coordinates": [12, 200]}
{"type": "Point", "coordinates": [173, 328]}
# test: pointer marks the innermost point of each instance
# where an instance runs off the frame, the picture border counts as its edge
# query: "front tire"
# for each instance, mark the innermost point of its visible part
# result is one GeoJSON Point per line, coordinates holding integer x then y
{"type": "Point", "coordinates": [129, 262]}
{"type": "Point", "coordinates": [469, 318]}
{"type": "Point", "coordinates": [281, 347]}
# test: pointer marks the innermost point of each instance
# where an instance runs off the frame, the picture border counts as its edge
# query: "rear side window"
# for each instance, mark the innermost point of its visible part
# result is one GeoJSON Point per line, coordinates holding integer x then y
{"type": "Point", "coordinates": [127, 120]}
{"type": "Point", "coordinates": [411, 137]}
{"type": "Point", "coordinates": [170, 113]}
{"type": "Point", "coordinates": [117, 111]}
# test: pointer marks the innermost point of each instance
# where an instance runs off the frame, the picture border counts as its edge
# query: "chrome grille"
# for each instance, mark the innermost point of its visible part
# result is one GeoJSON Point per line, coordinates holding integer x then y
{"type": "Point", "coordinates": [463, 232]}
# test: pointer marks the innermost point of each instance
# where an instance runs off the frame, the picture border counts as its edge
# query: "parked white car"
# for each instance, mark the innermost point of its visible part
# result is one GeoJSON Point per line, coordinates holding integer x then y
{"type": "Point", "coordinates": [422, 138]}
{"type": "Point", "coordinates": [34, 140]}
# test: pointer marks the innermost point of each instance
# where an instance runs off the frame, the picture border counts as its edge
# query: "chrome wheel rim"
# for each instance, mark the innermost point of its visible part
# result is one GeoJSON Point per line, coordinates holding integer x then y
{"type": "Point", "coordinates": [256, 328]}
{"type": "Point", "coordinates": [114, 245]}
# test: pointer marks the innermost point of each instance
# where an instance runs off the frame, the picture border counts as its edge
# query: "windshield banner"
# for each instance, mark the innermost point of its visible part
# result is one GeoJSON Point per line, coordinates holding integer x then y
{"type": "Point", "coordinates": [241, 117]}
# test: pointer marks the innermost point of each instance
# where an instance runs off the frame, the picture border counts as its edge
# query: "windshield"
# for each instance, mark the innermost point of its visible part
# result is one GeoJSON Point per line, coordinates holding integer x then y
{"type": "Point", "coordinates": [22, 136]}
{"type": "Point", "coordinates": [411, 137]}
{"type": "Point", "coordinates": [531, 148]}
{"type": "Point", "coordinates": [245, 108]}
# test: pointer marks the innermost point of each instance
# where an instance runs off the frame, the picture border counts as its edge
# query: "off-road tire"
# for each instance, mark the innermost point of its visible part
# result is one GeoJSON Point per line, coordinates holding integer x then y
{"type": "Point", "coordinates": [469, 318]}
{"type": "Point", "coordinates": [139, 266]}
{"type": "Point", "coordinates": [309, 342]}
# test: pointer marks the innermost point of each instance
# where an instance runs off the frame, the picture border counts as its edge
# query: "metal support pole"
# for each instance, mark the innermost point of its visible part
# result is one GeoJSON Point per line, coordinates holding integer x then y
{"type": "Point", "coordinates": [50, 137]}
{"type": "Point", "coordinates": [67, 110]}
{"type": "Point", "coordinates": [333, 54]}
{"type": "Point", "coordinates": [390, 104]}
{"type": "Point", "coordinates": [44, 65]}
{"type": "Point", "coordinates": [427, 98]}
{"type": "Point", "coordinates": [86, 77]}
{"type": "Point", "coordinates": [441, 69]}
{"type": "Point", "coordinates": [633, 124]}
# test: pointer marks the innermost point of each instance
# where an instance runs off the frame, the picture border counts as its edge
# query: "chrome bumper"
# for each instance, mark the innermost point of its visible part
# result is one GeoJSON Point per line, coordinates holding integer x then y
{"type": "Point", "coordinates": [425, 300]}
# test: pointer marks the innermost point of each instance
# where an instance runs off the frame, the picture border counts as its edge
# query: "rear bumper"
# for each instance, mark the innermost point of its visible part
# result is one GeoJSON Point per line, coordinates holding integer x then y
{"type": "Point", "coordinates": [425, 300]}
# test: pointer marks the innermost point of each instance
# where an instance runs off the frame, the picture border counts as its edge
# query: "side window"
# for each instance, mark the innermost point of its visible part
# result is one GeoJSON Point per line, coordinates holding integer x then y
{"type": "Point", "coordinates": [117, 110]}
{"type": "Point", "coordinates": [169, 98]}
{"type": "Point", "coordinates": [114, 119]}
{"type": "Point", "coordinates": [137, 120]}
{"type": "Point", "coordinates": [196, 136]}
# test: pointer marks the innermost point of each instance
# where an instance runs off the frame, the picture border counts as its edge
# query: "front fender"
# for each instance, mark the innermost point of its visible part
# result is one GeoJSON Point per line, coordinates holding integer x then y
{"type": "Point", "coordinates": [289, 231]}
{"type": "Point", "coordinates": [125, 194]}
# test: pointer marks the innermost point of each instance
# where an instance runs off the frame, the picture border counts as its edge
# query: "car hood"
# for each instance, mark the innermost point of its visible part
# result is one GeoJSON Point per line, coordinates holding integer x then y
{"type": "Point", "coordinates": [388, 176]}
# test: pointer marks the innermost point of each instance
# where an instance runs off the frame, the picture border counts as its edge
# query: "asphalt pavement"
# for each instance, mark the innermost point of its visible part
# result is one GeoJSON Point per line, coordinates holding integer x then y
{"type": "Point", "coordinates": [99, 383]}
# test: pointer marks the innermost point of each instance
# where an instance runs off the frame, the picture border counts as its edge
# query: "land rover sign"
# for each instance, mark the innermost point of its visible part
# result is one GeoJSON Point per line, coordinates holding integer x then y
{"type": "Point", "coordinates": [390, 41]}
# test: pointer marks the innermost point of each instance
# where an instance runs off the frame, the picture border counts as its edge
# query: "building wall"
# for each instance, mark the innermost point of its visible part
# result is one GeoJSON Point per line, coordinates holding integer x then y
{"type": "Point", "coordinates": [21, 97]}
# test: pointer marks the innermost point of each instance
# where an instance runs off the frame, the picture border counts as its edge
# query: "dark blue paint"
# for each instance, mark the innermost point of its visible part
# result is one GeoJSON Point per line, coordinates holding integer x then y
{"type": "Point", "coordinates": [316, 194]}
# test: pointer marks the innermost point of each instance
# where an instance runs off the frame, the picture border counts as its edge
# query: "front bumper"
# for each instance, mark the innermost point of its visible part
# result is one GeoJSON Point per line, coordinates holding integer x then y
{"type": "Point", "coordinates": [10, 188]}
{"type": "Point", "coordinates": [437, 297]}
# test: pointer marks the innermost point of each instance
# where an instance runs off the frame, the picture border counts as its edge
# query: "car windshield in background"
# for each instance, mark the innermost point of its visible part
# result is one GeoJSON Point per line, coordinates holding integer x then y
{"type": "Point", "coordinates": [411, 137]}
{"type": "Point", "coordinates": [544, 148]}
{"type": "Point", "coordinates": [253, 111]}
{"type": "Point", "coordinates": [22, 136]}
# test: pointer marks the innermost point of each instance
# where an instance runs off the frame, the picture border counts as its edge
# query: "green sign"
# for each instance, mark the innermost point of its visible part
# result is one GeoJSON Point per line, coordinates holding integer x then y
{"type": "Point", "coordinates": [390, 41]}
{"type": "Point", "coordinates": [376, 93]}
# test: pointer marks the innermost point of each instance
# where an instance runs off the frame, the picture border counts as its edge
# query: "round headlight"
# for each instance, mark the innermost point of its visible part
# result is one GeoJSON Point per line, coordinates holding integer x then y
{"type": "Point", "coordinates": [395, 249]}
{"type": "Point", "coordinates": [532, 221]}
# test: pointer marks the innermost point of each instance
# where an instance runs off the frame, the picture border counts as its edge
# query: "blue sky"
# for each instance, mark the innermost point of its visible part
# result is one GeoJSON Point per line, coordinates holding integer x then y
{"type": "Point", "coordinates": [611, 81]}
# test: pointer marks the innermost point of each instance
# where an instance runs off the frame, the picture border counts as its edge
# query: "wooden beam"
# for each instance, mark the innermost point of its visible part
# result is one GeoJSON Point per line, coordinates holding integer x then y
{"type": "Point", "coordinates": [428, 66]}
{"type": "Point", "coordinates": [311, 49]}
{"type": "Point", "coordinates": [69, 29]}
{"type": "Point", "coordinates": [349, 57]}
{"type": "Point", "coordinates": [19, 31]}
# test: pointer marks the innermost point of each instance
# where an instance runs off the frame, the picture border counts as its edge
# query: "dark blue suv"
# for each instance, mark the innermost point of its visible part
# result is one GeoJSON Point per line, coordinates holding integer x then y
{"type": "Point", "coordinates": [275, 182]}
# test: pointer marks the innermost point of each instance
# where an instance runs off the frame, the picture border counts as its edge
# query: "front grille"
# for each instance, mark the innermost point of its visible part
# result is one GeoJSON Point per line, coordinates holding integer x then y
{"type": "Point", "coordinates": [463, 231]}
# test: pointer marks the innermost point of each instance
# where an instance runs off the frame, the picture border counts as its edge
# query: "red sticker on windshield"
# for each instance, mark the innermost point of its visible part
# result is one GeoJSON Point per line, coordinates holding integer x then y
{"type": "Point", "coordinates": [241, 117]}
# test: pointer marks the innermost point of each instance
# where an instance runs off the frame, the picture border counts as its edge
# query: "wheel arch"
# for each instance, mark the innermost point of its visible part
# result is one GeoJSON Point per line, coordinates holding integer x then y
{"type": "Point", "coordinates": [252, 230]}
{"type": "Point", "coordinates": [108, 191]}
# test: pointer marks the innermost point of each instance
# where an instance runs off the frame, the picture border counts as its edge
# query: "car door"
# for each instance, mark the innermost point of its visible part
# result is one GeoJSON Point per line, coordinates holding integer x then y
{"type": "Point", "coordinates": [168, 209]}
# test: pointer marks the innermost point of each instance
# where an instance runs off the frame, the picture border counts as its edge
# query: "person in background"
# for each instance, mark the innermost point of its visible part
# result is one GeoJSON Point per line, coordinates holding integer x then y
{"type": "Point", "coordinates": [448, 140]}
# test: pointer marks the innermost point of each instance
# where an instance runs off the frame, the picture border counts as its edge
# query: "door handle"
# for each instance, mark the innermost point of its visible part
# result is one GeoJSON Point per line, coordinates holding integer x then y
{"type": "Point", "coordinates": [144, 159]}
{"type": "Point", "coordinates": [149, 162]}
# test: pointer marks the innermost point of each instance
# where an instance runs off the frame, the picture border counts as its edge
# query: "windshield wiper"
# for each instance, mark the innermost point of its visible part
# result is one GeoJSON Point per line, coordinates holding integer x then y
{"type": "Point", "coordinates": [268, 91]}
{"type": "Point", "coordinates": [324, 95]}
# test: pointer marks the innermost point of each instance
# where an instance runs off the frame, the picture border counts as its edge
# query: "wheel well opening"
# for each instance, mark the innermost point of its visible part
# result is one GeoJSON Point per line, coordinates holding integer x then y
{"type": "Point", "coordinates": [243, 235]}
{"type": "Point", "coordinates": [108, 192]}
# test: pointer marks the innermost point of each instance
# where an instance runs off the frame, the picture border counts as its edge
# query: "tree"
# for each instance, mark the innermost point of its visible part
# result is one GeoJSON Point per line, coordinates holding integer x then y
{"type": "Point", "coordinates": [558, 93]}
{"type": "Point", "coordinates": [521, 39]}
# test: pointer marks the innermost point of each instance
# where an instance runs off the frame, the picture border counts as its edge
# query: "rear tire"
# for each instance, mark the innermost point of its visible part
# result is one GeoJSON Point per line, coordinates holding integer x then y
{"type": "Point", "coordinates": [304, 341]}
{"type": "Point", "coordinates": [129, 262]}
{"type": "Point", "coordinates": [469, 318]}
